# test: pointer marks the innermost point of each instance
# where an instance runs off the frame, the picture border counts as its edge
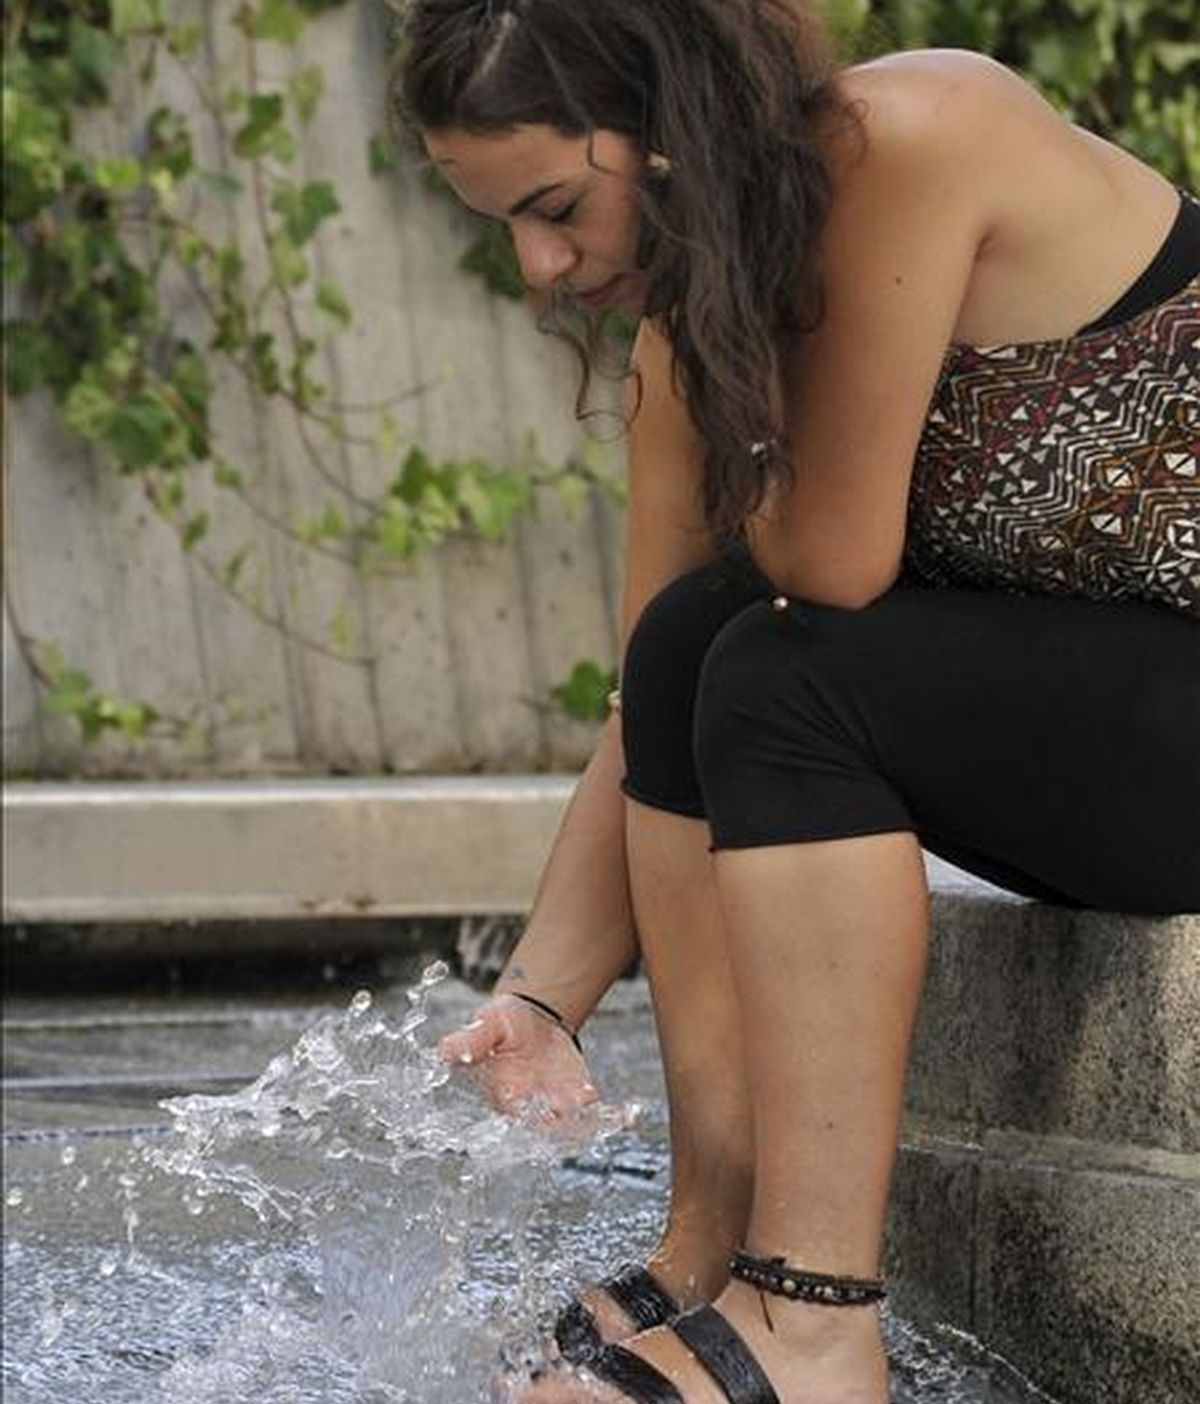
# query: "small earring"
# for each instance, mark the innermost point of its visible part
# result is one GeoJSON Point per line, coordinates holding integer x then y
{"type": "Point", "coordinates": [658, 163]}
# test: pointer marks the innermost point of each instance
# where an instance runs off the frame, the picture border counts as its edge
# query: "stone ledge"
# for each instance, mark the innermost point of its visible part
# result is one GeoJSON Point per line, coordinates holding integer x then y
{"type": "Point", "coordinates": [1061, 1023]}
{"type": "Point", "coordinates": [285, 849]}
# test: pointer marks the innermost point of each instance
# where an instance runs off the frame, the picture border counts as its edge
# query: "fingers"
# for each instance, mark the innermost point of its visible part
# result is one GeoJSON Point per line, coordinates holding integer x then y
{"type": "Point", "coordinates": [470, 1044]}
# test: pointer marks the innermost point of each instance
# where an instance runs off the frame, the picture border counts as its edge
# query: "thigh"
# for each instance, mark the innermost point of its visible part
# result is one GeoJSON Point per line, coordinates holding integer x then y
{"type": "Point", "coordinates": [1049, 737]}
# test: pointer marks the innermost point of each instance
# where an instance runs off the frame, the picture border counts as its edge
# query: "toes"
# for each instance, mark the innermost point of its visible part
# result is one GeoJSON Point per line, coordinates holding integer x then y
{"type": "Point", "coordinates": [567, 1386]}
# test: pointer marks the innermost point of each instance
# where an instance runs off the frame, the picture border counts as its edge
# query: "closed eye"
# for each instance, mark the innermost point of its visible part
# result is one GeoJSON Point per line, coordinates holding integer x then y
{"type": "Point", "coordinates": [562, 216]}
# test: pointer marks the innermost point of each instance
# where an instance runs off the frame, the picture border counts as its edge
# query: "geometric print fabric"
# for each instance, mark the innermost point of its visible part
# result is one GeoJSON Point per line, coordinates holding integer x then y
{"type": "Point", "coordinates": [1068, 466]}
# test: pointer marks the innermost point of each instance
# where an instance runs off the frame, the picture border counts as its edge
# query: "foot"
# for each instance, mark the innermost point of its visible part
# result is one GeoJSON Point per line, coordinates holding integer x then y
{"type": "Point", "coordinates": [810, 1354]}
{"type": "Point", "coordinates": [682, 1279]}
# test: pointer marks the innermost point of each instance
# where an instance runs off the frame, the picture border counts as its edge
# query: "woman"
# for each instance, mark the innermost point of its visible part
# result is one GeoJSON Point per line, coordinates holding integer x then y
{"type": "Point", "coordinates": [913, 544]}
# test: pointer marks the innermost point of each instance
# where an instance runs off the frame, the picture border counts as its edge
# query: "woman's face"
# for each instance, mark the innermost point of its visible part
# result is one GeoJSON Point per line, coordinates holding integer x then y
{"type": "Point", "coordinates": [569, 201]}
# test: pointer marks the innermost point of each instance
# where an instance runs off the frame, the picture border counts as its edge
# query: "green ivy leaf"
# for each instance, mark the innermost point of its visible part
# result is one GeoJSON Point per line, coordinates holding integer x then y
{"type": "Point", "coordinates": [88, 408]}
{"type": "Point", "coordinates": [342, 631]}
{"type": "Point", "coordinates": [584, 695]}
{"type": "Point", "coordinates": [260, 135]}
{"type": "Point", "coordinates": [332, 301]}
{"type": "Point", "coordinates": [304, 208]}
{"type": "Point", "coordinates": [387, 434]}
{"type": "Point", "coordinates": [493, 258]}
{"type": "Point", "coordinates": [264, 362]}
{"type": "Point", "coordinates": [170, 143]}
{"type": "Point", "coordinates": [273, 19]}
{"type": "Point", "coordinates": [392, 531]}
{"type": "Point", "coordinates": [226, 476]}
{"type": "Point", "coordinates": [195, 530]}
{"type": "Point", "coordinates": [184, 40]}
{"type": "Point", "coordinates": [13, 257]}
{"type": "Point", "coordinates": [118, 174]}
{"type": "Point", "coordinates": [306, 89]}
{"type": "Point", "coordinates": [130, 17]}
{"type": "Point", "coordinates": [491, 499]}
{"type": "Point", "coordinates": [572, 490]}
{"type": "Point", "coordinates": [416, 473]}
{"type": "Point", "coordinates": [287, 261]}
{"type": "Point", "coordinates": [93, 57]}
{"type": "Point", "coordinates": [329, 526]}
{"type": "Point", "coordinates": [232, 571]}
{"type": "Point", "coordinates": [69, 695]}
{"type": "Point", "coordinates": [143, 431]}
{"type": "Point", "coordinates": [29, 357]}
{"type": "Point", "coordinates": [381, 155]}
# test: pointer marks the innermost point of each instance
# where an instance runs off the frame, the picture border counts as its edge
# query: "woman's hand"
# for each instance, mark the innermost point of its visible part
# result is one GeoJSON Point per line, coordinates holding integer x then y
{"type": "Point", "coordinates": [526, 1064]}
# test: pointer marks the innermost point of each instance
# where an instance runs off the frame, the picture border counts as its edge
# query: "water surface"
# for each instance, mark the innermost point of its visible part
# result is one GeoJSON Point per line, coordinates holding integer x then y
{"type": "Point", "coordinates": [352, 1227]}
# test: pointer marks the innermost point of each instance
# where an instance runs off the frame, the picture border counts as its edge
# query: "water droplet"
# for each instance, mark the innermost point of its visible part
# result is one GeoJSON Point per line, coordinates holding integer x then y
{"type": "Point", "coordinates": [108, 1265]}
{"type": "Point", "coordinates": [361, 1002]}
{"type": "Point", "coordinates": [68, 1155]}
{"type": "Point", "coordinates": [15, 1197]}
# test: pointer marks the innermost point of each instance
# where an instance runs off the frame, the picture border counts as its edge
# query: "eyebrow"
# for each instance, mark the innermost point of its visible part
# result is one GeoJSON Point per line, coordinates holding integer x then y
{"type": "Point", "coordinates": [533, 197]}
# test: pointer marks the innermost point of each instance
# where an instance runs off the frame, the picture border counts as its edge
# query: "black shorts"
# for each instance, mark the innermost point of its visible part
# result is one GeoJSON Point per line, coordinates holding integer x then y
{"type": "Point", "coordinates": [1050, 745]}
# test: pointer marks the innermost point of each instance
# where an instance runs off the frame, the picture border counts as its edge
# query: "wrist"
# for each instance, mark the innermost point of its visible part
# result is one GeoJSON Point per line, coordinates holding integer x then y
{"type": "Point", "coordinates": [547, 1011]}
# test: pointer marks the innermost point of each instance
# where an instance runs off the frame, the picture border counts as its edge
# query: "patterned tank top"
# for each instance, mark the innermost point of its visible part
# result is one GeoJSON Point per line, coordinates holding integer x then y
{"type": "Point", "coordinates": [1068, 466]}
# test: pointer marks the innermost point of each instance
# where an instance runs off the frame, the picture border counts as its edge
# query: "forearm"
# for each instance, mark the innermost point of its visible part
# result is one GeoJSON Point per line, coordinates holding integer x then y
{"type": "Point", "coordinates": [580, 935]}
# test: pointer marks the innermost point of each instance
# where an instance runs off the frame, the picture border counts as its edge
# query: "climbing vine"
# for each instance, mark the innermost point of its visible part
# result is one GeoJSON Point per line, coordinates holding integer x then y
{"type": "Point", "coordinates": [95, 244]}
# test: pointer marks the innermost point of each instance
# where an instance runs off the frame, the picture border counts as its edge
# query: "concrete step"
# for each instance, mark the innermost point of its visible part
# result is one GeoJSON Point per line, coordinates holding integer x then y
{"type": "Point", "coordinates": [1048, 1192]}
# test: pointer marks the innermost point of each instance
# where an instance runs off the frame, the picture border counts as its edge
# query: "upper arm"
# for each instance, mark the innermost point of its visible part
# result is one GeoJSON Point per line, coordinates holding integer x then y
{"type": "Point", "coordinates": [665, 530]}
{"type": "Point", "coordinates": [907, 220]}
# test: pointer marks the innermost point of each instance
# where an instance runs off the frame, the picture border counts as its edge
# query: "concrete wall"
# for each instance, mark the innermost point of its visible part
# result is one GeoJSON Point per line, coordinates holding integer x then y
{"type": "Point", "coordinates": [461, 648]}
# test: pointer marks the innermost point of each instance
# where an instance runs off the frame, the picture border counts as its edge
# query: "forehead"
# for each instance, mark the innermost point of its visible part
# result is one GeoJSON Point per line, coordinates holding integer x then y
{"type": "Point", "coordinates": [502, 157]}
{"type": "Point", "coordinates": [496, 169]}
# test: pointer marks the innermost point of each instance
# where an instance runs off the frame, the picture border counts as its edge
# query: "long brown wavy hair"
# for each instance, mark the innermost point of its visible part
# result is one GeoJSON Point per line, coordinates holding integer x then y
{"type": "Point", "coordinates": [739, 95]}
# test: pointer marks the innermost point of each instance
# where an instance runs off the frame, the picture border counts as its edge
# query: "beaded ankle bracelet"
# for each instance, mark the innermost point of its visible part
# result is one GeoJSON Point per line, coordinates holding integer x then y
{"type": "Point", "coordinates": [776, 1276]}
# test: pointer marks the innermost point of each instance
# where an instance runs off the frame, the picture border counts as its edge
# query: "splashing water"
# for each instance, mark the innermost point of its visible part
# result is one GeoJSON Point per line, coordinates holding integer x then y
{"type": "Point", "coordinates": [409, 1188]}
{"type": "Point", "coordinates": [356, 1228]}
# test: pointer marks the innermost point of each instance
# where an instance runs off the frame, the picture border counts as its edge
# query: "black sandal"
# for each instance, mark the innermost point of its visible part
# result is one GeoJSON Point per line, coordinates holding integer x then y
{"type": "Point", "coordinates": [640, 1295]}
{"type": "Point", "coordinates": [718, 1346]}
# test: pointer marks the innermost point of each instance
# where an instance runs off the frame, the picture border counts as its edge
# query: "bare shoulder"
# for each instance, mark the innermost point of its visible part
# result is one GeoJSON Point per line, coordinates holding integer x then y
{"type": "Point", "coordinates": [1067, 219]}
{"type": "Point", "coordinates": [939, 98]}
{"type": "Point", "coordinates": [949, 109]}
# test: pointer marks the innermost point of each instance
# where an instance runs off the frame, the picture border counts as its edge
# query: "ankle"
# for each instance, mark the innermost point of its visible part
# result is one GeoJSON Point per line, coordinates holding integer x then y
{"type": "Point", "coordinates": [692, 1268]}
{"type": "Point", "coordinates": [816, 1330]}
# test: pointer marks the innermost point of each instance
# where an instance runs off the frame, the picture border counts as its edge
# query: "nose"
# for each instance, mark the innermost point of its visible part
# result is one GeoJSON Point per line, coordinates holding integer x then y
{"type": "Point", "coordinates": [545, 255]}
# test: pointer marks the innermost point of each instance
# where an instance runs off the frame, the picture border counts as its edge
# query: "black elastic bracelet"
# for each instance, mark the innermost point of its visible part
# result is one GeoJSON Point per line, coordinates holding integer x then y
{"type": "Point", "coordinates": [551, 1012]}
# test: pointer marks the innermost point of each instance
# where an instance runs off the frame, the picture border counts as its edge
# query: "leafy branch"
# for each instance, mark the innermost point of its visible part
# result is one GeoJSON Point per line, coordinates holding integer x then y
{"type": "Point", "coordinates": [94, 243]}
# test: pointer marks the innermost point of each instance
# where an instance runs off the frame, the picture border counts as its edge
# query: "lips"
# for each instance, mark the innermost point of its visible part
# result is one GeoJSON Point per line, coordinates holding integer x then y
{"type": "Point", "coordinates": [599, 295]}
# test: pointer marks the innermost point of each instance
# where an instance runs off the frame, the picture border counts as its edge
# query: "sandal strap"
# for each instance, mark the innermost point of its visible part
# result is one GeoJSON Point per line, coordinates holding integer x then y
{"type": "Point", "coordinates": [576, 1333]}
{"type": "Point", "coordinates": [725, 1355]}
{"type": "Point", "coordinates": [635, 1290]}
{"type": "Point", "coordinates": [634, 1377]}
{"type": "Point", "coordinates": [642, 1297]}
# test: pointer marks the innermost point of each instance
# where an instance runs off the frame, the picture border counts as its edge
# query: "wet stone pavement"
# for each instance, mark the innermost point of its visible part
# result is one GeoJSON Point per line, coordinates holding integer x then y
{"type": "Point", "coordinates": [118, 1286]}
